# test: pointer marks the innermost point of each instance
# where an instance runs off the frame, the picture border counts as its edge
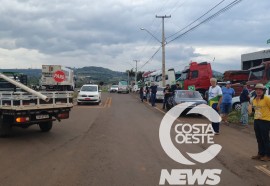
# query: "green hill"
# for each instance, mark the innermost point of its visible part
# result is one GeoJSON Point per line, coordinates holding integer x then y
{"type": "Point", "coordinates": [84, 75]}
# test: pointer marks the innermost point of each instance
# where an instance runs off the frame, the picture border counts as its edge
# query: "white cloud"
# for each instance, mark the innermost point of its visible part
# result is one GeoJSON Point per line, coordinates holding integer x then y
{"type": "Point", "coordinates": [106, 33]}
{"type": "Point", "coordinates": [224, 57]}
{"type": "Point", "coordinates": [21, 58]}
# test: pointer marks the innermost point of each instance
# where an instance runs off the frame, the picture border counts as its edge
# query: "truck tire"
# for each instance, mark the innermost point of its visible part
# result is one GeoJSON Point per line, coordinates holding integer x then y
{"type": "Point", "coordinates": [5, 128]}
{"type": "Point", "coordinates": [46, 126]}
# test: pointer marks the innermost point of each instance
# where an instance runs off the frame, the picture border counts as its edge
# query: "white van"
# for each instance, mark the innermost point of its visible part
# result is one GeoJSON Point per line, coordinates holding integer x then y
{"type": "Point", "coordinates": [89, 94]}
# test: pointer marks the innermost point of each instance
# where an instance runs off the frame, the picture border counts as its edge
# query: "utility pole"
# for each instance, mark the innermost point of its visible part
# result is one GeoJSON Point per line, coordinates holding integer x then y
{"type": "Point", "coordinates": [136, 61]}
{"type": "Point", "coordinates": [128, 77]}
{"type": "Point", "coordinates": [163, 43]}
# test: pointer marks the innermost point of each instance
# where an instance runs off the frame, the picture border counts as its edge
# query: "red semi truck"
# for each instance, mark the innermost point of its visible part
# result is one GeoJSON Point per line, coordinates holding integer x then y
{"type": "Point", "coordinates": [236, 76]}
{"type": "Point", "coordinates": [258, 74]}
{"type": "Point", "coordinates": [198, 76]}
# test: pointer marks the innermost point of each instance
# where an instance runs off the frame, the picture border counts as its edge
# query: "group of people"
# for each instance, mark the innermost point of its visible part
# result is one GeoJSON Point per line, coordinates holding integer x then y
{"type": "Point", "coordinates": [221, 99]}
{"type": "Point", "coordinates": [149, 93]}
{"type": "Point", "coordinates": [223, 103]}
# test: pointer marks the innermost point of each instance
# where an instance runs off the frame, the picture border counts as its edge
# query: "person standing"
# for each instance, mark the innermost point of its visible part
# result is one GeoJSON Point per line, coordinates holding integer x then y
{"type": "Point", "coordinates": [153, 90]}
{"type": "Point", "coordinates": [147, 93]}
{"type": "Point", "coordinates": [178, 87]}
{"type": "Point", "coordinates": [244, 100]}
{"type": "Point", "coordinates": [141, 93]}
{"type": "Point", "coordinates": [167, 93]}
{"type": "Point", "coordinates": [214, 100]}
{"type": "Point", "coordinates": [261, 104]}
{"type": "Point", "coordinates": [226, 104]}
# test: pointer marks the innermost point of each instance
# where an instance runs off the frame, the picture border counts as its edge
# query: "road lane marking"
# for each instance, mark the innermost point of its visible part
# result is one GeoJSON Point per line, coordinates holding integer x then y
{"type": "Point", "coordinates": [264, 169]}
{"type": "Point", "coordinates": [106, 102]}
{"type": "Point", "coordinates": [110, 102]}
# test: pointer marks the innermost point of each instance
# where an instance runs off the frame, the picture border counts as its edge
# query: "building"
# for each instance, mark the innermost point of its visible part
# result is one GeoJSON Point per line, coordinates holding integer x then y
{"type": "Point", "coordinates": [254, 59]}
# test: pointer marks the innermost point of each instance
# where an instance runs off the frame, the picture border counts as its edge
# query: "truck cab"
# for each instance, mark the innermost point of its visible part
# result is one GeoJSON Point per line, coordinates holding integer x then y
{"type": "Point", "coordinates": [236, 76]}
{"type": "Point", "coordinates": [259, 74]}
{"type": "Point", "coordinates": [169, 77]}
{"type": "Point", "coordinates": [7, 86]}
{"type": "Point", "coordinates": [198, 76]}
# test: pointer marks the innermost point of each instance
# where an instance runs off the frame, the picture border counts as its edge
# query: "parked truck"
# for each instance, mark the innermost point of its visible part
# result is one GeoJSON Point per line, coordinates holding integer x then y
{"type": "Point", "coordinates": [19, 77]}
{"type": "Point", "coordinates": [258, 74]}
{"type": "Point", "coordinates": [57, 77]}
{"type": "Point", "coordinates": [156, 77]}
{"type": "Point", "coordinates": [28, 107]}
{"type": "Point", "coordinates": [197, 76]}
{"type": "Point", "coordinates": [236, 76]}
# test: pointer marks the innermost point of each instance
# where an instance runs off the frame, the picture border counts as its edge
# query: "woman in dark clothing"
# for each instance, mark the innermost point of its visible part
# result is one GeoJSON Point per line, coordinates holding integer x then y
{"type": "Point", "coordinates": [141, 93]}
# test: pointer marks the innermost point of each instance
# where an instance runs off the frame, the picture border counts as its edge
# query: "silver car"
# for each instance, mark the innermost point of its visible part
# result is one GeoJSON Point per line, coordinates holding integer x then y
{"type": "Point", "coordinates": [160, 93]}
{"type": "Point", "coordinates": [114, 88]}
{"type": "Point", "coordinates": [183, 96]}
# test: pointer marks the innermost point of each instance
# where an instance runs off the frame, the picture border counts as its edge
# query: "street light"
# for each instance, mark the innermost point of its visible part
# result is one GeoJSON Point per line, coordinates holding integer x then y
{"type": "Point", "coordinates": [163, 43]}
{"type": "Point", "coordinates": [151, 34]}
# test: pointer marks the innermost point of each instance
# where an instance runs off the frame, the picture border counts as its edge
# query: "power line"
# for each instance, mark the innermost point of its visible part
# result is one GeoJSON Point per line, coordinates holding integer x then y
{"type": "Point", "coordinates": [197, 19]}
{"type": "Point", "coordinates": [208, 19]}
{"type": "Point", "coordinates": [156, 31]}
{"type": "Point", "coordinates": [151, 57]}
{"type": "Point", "coordinates": [229, 6]}
{"type": "Point", "coordinates": [177, 6]}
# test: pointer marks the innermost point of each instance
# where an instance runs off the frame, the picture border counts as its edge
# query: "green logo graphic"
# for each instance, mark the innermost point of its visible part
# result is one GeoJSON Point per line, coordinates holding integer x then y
{"type": "Point", "coordinates": [191, 87]}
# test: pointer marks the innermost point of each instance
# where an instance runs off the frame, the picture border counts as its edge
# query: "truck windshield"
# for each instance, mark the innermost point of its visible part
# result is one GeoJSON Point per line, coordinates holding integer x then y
{"type": "Point", "coordinates": [184, 76]}
{"type": "Point", "coordinates": [256, 74]}
{"type": "Point", "coordinates": [177, 76]}
{"type": "Point", "coordinates": [123, 83]}
{"type": "Point", "coordinates": [89, 88]}
{"type": "Point", "coordinates": [159, 78]}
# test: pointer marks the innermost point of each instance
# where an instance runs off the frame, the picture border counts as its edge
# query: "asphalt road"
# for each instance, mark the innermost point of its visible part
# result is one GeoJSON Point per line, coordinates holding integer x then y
{"type": "Point", "coordinates": [117, 143]}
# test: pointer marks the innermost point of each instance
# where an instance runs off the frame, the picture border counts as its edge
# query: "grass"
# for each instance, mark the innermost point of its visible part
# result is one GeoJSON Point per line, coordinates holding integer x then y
{"type": "Point", "coordinates": [234, 117]}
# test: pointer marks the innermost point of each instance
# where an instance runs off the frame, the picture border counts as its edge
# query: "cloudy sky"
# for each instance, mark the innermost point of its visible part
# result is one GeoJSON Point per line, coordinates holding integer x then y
{"type": "Point", "coordinates": [107, 33]}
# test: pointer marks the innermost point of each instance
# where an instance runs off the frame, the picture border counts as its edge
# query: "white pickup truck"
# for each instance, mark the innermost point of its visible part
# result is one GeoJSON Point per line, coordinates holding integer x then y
{"type": "Point", "coordinates": [28, 107]}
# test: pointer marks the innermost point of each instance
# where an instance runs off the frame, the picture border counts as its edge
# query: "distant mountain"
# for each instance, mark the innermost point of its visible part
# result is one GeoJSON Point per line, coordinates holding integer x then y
{"type": "Point", "coordinates": [217, 74]}
{"type": "Point", "coordinates": [94, 74]}
{"type": "Point", "coordinates": [28, 72]}
{"type": "Point", "coordinates": [98, 74]}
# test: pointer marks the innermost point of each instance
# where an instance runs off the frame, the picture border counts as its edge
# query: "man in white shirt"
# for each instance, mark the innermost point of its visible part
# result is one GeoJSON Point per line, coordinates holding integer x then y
{"type": "Point", "coordinates": [214, 100]}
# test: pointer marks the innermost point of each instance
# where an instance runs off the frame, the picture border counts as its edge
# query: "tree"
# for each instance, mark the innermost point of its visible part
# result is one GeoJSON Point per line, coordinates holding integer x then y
{"type": "Point", "coordinates": [131, 73]}
{"type": "Point", "coordinates": [139, 75]}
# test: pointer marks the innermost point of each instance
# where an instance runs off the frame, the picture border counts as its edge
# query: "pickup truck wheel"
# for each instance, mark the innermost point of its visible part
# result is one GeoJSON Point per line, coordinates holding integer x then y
{"type": "Point", "coordinates": [5, 129]}
{"type": "Point", "coordinates": [46, 126]}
